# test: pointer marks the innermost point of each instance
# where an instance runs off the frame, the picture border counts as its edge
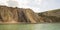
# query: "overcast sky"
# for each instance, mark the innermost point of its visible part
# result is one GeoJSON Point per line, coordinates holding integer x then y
{"type": "Point", "coordinates": [35, 5]}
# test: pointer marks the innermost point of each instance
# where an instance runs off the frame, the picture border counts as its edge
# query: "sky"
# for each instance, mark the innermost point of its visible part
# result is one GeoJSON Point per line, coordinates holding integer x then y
{"type": "Point", "coordinates": [35, 5]}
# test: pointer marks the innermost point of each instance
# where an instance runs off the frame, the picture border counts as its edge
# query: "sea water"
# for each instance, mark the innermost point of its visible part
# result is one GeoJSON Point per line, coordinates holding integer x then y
{"type": "Point", "coordinates": [41, 26]}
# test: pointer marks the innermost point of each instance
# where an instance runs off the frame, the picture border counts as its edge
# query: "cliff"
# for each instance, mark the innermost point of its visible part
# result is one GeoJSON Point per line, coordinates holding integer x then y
{"type": "Point", "coordinates": [21, 15]}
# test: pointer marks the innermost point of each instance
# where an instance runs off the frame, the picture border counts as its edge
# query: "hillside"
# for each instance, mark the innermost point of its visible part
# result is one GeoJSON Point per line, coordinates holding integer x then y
{"type": "Point", "coordinates": [53, 15]}
{"type": "Point", "coordinates": [55, 12]}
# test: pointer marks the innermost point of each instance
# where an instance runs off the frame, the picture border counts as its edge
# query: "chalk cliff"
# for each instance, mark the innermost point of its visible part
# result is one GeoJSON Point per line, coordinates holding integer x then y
{"type": "Point", "coordinates": [10, 14]}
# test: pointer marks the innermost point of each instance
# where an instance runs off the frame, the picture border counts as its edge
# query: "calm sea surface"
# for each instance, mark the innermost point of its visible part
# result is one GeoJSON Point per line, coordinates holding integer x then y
{"type": "Point", "coordinates": [42, 26]}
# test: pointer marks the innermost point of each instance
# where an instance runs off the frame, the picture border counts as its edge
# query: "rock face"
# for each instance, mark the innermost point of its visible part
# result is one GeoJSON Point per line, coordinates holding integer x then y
{"type": "Point", "coordinates": [10, 14]}
{"type": "Point", "coordinates": [21, 15]}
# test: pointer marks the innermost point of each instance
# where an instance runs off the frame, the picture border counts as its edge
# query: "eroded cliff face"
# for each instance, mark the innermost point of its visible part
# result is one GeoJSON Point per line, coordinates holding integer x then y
{"type": "Point", "coordinates": [21, 15]}
{"type": "Point", "coordinates": [10, 14]}
{"type": "Point", "coordinates": [28, 16]}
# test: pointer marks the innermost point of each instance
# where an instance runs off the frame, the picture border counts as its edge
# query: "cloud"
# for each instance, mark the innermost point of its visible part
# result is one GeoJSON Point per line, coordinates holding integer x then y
{"type": "Point", "coordinates": [33, 4]}
{"type": "Point", "coordinates": [23, 2]}
{"type": "Point", "coordinates": [12, 3]}
{"type": "Point", "coordinates": [38, 2]}
{"type": "Point", "coordinates": [3, 2]}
